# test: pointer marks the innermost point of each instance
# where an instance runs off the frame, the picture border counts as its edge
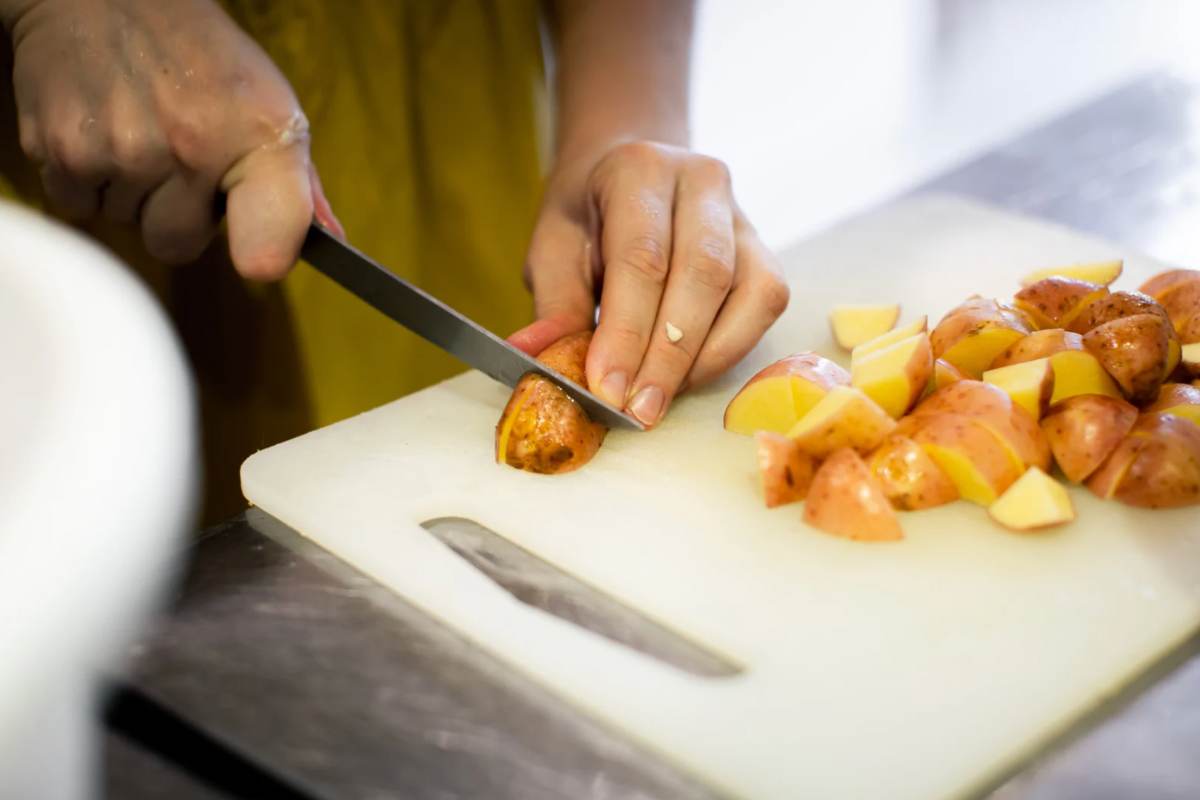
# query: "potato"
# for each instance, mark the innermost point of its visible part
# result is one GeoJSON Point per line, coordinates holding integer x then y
{"type": "Point", "coordinates": [853, 325]}
{"type": "Point", "coordinates": [845, 417]}
{"type": "Point", "coordinates": [896, 376]}
{"type": "Point", "coordinates": [1101, 272]}
{"type": "Point", "coordinates": [779, 395]}
{"type": "Point", "coordinates": [786, 472]}
{"type": "Point", "coordinates": [1180, 399]}
{"type": "Point", "coordinates": [1029, 384]}
{"type": "Point", "coordinates": [909, 478]}
{"type": "Point", "coordinates": [1165, 281]}
{"type": "Point", "coordinates": [1083, 431]}
{"type": "Point", "coordinates": [1190, 358]}
{"type": "Point", "coordinates": [1165, 471]}
{"type": "Point", "coordinates": [1038, 344]}
{"type": "Point", "coordinates": [995, 410]}
{"type": "Point", "coordinates": [1056, 302]}
{"type": "Point", "coordinates": [1103, 482]}
{"type": "Point", "coordinates": [1115, 306]}
{"type": "Point", "coordinates": [844, 500]}
{"type": "Point", "coordinates": [1182, 304]}
{"type": "Point", "coordinates": [888, 339]}
{"type": "Point", "coordinates": [974, 458]}
{"type": "Point", "coordinates": [945, 373]}
{"type": "Point", "coordinates": [1134, 351]}
{"type": "Point", "coordinates": [973, 334]}
{"type": "Point", "coordinates": [542, 429]}
{"type": "Point", "coordinates": [1078, 372]}
{"type": "Point", "coordinates": [1034, 502]}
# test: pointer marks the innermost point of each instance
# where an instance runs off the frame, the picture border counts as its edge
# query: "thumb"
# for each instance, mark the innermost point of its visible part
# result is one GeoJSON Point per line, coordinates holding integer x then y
{"type": "Point", "coordinates": [269, 208]}
{"type": "Point", "coordinates": [560, 274]}
{"type": "Point", "coordinates": [321, 207]}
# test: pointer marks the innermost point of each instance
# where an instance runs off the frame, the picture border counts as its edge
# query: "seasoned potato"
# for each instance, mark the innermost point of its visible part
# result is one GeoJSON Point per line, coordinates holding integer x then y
{"type": "Point", "coordinates": [1134, 351]}
{"type": "Point", "coordinates": [542, 429]}
{"type": "Point", "coordinates": [908, 477]}
{"type": "Point", "coordinates": [1083, 431]}
{"type": "Point", "coordinates": [1038, 344]}
{"type": "Point", "coordinates": [1056, 302]}
{"type": "Point", "coordinates": [1165, 471]}
{"type": "Point", "coordinates": [845, 500]}
{"type": "Point", "coordinates": [786, 471]}
{"type": "Point", "coordinates": [973, 334]}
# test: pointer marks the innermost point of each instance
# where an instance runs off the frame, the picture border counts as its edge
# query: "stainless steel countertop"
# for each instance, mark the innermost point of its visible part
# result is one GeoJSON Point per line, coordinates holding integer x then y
{"type": "Point", "coordinates": [311, 670]}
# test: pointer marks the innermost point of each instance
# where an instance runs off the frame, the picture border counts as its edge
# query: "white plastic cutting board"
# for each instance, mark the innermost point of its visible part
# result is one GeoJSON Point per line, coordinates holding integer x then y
{"type": "Point", "coordinates": [920, 669]}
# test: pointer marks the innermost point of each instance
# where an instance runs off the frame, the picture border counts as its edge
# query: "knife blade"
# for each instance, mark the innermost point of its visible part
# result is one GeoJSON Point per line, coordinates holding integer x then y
{"type": "Point", "coordinates": [441, 325]}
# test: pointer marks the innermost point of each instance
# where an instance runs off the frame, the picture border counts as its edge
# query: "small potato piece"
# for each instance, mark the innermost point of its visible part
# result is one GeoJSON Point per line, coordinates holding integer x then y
{"type": "Point", "coordinates": [994, 409]}
{"type": "Point", "coordinates": [1161, 283]}
{"type": "Point", "coordinates": [973, 334]}
{"type": "Point", "coordinates": [1103, 482]}
{"type": "Point", "coordinates": [1038, 344]}
{"type": "Point", "coordinates": [1134, 351]}
{"type": "Point", "coordinates": [853, 325]}
{"type": "Point", "coordinates": [1078, 372]}
{"type": "Point", "coordinates": [1165, 471]}
{"type": "Point", "coordinates": [1101, 272]}
{"type": "Point", "coordinates": [845, 417]}
{"type": "Point", "coordinates": [1083, 431]}
{"type": "Point", "coordinates": [779, 395]}
{"type": "Point", "coordinates": [908, 477]}
{"type": "Point", "coordinates": [786, 471]}
{"type": "Point", "coordinates": [1034, 502]}
{"type": "Point", "coordinates": [895, 376]}
{"type": "Point", "coordinates": [1115, 306]}
{"type": "Point", "coordinates": [1182, 303]}
{"type": "Point", "coordinates": [974, 459]}
{"type": "Point", "coordinates": [542, 429]}
{"type": "Point", "coordinates": [844, 500]}
{"type": "Point", "coordinates": [1056, 302]}
{"type": "Point", "coordinates": [1180, 399]}
{"type": "Point", "coordinates": [1189, 356]}
{"type": "Point", "coordinates": [1029, 384]}
{"type": "Point", "coordinates": [888, 339]}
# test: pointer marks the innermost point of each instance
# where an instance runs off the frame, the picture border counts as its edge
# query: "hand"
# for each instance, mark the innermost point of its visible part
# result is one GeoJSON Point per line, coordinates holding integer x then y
{"type": "Point", "coordinates": [687, 288]}
{"type": "Point", "coordinates": [144, 111]}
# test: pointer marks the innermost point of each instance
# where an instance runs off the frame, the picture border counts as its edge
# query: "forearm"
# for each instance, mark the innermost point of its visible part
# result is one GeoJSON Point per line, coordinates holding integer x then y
{"type": "Point", "coordinates": [621, 73]}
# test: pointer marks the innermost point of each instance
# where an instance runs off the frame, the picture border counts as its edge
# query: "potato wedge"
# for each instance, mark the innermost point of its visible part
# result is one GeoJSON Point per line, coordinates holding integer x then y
{"type": "Point", "coordinates": [909, 478]}
{"type": "Point", "coordinates": [845, 417]}
{"type": "Point", "coordinates": [1103, 482]}
{"type": "Point", "coordinates": [1165, 281]}
{"type": "Point", "coordinates": [845, 500]}
{"type": "Point", "coordinates": [853, 325]}
{"type": "Point", "coordinates": [1134, 351]}
{"type": "Point", "coordinates": [895, 376]}
{"type": "Point", "coordinates": [974, 458]}
{"type": "Point", "coordinates": [1038, 344]}
{"type": "Point", "coordinates": [1056, 302]}
{"type": "Point", "coordinates": [1182, 304]}
{"type": "Point", "coordinates": [1180, 399]}
{"type": "Point", "coordinates": [1030, 384]}
{"type": "Point", "coordinates": [992, 408]}
{"type": "Point", "coordinates": [1115, 306]}
{"type": "Point", "coordinates": [779, 395]}
{"type": "Point", "coordinates": [786, 472]}
{"type": "Point", "coordinates": [920, 325]}
{"type": "Point", "coordinates": [1101, 272]}
{"type": "Point", "coordinates": [1079, 372]}
{"type": "Point", "coordinates": [1083, 430]}
{"type": "Point", "coordinates": [1165, 471]}
{"type": "Point", "coordinates": [542, 429]}
{"type": "Point", "coordinates": [973, 334]}
{"type": "Point", "coordinates": [1036, 501]}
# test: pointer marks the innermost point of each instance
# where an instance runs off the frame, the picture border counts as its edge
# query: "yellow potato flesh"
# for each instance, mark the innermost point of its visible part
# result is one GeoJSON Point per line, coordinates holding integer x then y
{"type": "Point", "coordinates": [1035, 501]}
{"type": "Point", "coordinates": [845, 417]}
{"type": "Point", "coordinates": [888, 339]}
{"type": "Point", "coordinates": [768, 404]}
{"type": "Point", "coordinates": [967, 479]}
{"type": "Point", "coordinates": [1028, 383]}
{"type": "Point", "coordinates": [1189, 354]}
{"type": "Point", "coordinates": [1078, 372]}
{"type": "Point", "coordinates": [1101, 272]}
{"type": "Point", "coordinates": [855, 324]}
{"type": "Point", "coordinates": [974, 352]}
{"type": "Point", "coordinates": [895, 376]}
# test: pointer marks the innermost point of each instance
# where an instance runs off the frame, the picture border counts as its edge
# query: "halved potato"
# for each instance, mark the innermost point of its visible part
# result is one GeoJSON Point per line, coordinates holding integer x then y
{"type": "Point", "coordinates": [779, 395]}
{"type": "Point", "coordinates": [1056, 302]}
{"type": "Point", "coordinates": [972, 457]}
{"type": "Point", "coordinates": [845, 500]}
{"type": "Point", "coordinates": [1038, 344]}
{"type": "Point", "coordinates": [1101, 272]}
{"type": "Point", "coordinates": [785, 470]}
{"type": "Point", "coordinates": [853, 325]}
{"type": "Point", "coordinates": [888, 339]}
{"type": "Point", "coordinates": [1079, 372]}
{"type": "Point", "coordinates": [845, 417]}
{"type": "Point", "coordinates": [542, 429]}
{"type": "Point", "coordinates": [973, 334]}
{"type": "Point", "coordinates": [1134, 351]}
{"type": "Point", "coordinates": [909, 478]}
{"type": "Point", "coordinates": [1083, 430]}
{"type": "Point", "coordinates": [1034, 502]}
{"type": "Point", "coordinates": [895, 376]}
{"type": "Point", "coordinates": [1029, 384]}
{"type": "Point", "coordinates": [1180, 399]}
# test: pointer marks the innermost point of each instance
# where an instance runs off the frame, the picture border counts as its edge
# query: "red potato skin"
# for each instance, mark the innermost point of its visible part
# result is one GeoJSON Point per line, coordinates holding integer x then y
{"type": "Point", "coordinates": [786, 472]}
{"type": "Point", "coordinates": [1182, 301]}
{"type": "Point", "coordinates": [1134, 351]}
{"type": "Point", "coordinates": [993, 408]}
{"type": "Point", "coordinates": [908, 477]}
{"type": "Point", "coordinates": [1056, 302]}
{"type": "Point", "coordinates": [1165, 471]}
{"type": "Point", "coordinates": [1115, 306]}
{"type": "Point", "coordinates": [972, 316]}
{"type": "Point", "coordinates": [551, 433]}
{"type": "Point", "coordinates": [1038, 344]}
{"type": "Point", "coordinates": [844, 500]}
{"type": "Point", "coordinates": [1084, 430]}
{"type": "Point", "coordinates": [1158, 285]}
{"type": "Point", "coordinates": [1171, 395]}
{"type": "Point", "coordinates": [808, 365]}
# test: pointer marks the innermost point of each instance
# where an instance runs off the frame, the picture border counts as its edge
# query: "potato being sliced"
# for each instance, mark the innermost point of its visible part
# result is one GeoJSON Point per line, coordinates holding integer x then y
{"type": "Point", "coordinates": [1035, 501]}
{"type": "Point", "coordinates": [973, 334]}
{"type": "Point", "coordinates": [1056, 302]}
{"type": "Point", "coordinates": [844, 500]}
{"type": "Point", "coordinates": [1078, 372]}
{"type": "Point", "coordinates": [971, 456]}
{"type": "Point", "coordinates": [786, 472]}
{"type": "Point", "coordinates": [1083, 430]}
{"type": "Point", "coordinates": [1180, 399]}
{"type": "Point", "coordinates": [1134, 351]}
{"type": "Point", "coordinates": [779, 395]}
{"type": "Point", "coordinates": [895, 376]}
{"type": "Point", "coordinates": [890, 338]}
{"type": "Point", "coordinates": [853, 325]}
{"type": "Point", "coordinates": [1101, 272]}
{"type": "Point", "coordinates": [909, 478]}
{"type": "Point", "coordinates": [1030, 384]}
{"type": "Point", "coordinates": [1038, 344]}
{"type": "Point", "coordinates": [845, 417]}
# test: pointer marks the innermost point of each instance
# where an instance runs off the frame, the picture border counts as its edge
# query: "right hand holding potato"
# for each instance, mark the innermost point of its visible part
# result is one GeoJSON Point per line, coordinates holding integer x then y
{"type": "Point", "coordinates": [144, 111]}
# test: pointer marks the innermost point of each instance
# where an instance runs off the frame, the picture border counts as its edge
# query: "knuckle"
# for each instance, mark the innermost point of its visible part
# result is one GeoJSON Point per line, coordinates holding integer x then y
{"type": "Point", "coordinates": [711, 265]}
{"type": "Point", "coordinates": [134, 150]}
{"type": "Point", "coordinates": [646, 256]}
{"type": "Point", "coordinates": [639, 152]}
{"type": "Point", "coordinates": [622, 336]}
{"type": "Point", "coordinates": [711, 170]}
{"type": "Point", "coordinates": [70, 153]}
{"type": "Point", "coordinates": [31, 142]}
{"type": "Point", "coordinates": [774, 295]}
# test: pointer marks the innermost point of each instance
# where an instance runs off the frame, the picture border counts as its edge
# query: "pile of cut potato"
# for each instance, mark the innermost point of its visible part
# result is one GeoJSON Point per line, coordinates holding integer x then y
{"type": "Point", "coordinates": [1069, 378]}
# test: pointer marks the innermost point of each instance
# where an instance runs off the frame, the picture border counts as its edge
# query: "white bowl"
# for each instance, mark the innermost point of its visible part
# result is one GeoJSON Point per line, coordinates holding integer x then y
{"type": "Point", "coordinates": [98, 467]}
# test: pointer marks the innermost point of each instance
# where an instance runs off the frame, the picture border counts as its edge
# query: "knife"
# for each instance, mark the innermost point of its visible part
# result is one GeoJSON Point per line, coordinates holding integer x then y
{"type": "Point", "coordinates": [439, 324]}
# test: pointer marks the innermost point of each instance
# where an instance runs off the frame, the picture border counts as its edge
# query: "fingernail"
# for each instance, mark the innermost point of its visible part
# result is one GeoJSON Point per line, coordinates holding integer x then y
{"type": "Point", "coordinates": [647, 405]}
{"type": "Point", "coordinates": [612, 388]}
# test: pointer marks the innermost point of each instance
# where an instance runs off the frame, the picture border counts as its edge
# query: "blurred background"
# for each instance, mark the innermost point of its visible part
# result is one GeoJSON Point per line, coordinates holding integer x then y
{"type": "Point", "coordinates": [822, 108]}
